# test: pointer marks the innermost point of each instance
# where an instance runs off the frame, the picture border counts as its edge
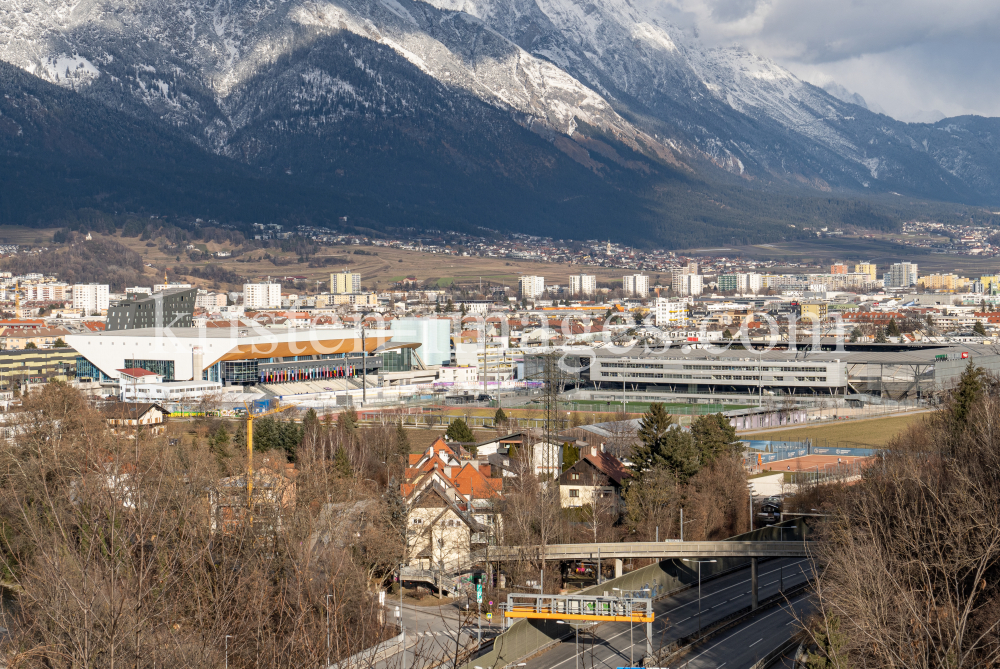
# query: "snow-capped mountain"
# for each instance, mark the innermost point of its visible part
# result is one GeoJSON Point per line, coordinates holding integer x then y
{"type": "Point", "coordinates": [292, 87]}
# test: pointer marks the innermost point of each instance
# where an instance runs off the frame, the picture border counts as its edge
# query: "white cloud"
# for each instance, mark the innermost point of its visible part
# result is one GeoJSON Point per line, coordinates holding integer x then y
{"type": "Point", "coordinates": [906, 56]}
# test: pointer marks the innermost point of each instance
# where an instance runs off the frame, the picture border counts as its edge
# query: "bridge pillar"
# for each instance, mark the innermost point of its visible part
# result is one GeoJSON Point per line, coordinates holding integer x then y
{"type": "Point", "coordinates": [618, 568]}
{"type": "Point", "coordinates": [649, 639]}
{"type": "Point", "coordinates": [753, 583]}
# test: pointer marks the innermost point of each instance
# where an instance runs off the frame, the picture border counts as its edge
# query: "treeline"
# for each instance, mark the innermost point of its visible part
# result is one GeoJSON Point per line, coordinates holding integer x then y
{"type": "Point", "coordinates": [908, 559]}
{"type": "Point", "coordinates": [100, 260]}
{"type": "Point", "coordinates": [134, 549]}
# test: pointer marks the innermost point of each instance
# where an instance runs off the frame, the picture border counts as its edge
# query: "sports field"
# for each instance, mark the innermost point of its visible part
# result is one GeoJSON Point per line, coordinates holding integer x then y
{"type": "Point", "coordinates": [848, 433]}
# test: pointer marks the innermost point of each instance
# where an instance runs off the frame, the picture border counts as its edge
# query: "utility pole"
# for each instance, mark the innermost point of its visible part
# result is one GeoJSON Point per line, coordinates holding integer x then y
{"type": "Point", "coordinates": [364, 370]}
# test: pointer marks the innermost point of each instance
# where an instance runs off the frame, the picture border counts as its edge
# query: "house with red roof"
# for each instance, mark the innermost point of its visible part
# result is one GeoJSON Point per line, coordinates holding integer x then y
{"type": "Point", "coordinates": [596, 475]}
{"type": "Point", "coordinates": [451, 498]}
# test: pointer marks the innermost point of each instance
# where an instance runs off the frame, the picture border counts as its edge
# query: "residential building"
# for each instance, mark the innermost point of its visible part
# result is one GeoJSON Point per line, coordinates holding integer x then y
{"type": "Point", "coordinates": [127, 418]}
{"type": "Point", "coordinates": [12, 338]}
{"type": "Point", "coordinates": [636, 285]}
{"type": "Point", "coordinates": [345, 282]}
{"type": "Point", "coordinates": [813, 312]}
{"type": "Point", "coordinates": [529, 286]}
{"type": "Point", "coordinates": [92, 298]}
{"type": "Point", "coordinates": [261, 296]}
{"type": "Point", "coordinates": [47, 292]}
{"type": "Point", "coordinates": [902, 275]}
{"type": "Point", "coordinates": [20, 367]}
{"type": "Point", "coordinates": [670, 313]}
{"type": "Point", "coordinates": [868, 268]}
{"type": "Point", "coordinates": [582, 284]}
{"type": "Point", "coordinates": [688, 285]}
{"type": "Point", "coordinates": [210, 301]}
{"type": "Point", "coordinates": [948, 282]}
{"type": "Point", "coordinates": [274, 493]}
{"type": "Point", "coordinates": [173, 308]}
{"type": "Point", "coordinates": [546, 459]}
{"type": "Point", "coordinates": [729, 282]}
{"type": "Point", "coordinates": [677, 282]}
{"type": "Point", "coordinates": [838, 269]}
{"type": "Point", "coordinates": [595, 478]}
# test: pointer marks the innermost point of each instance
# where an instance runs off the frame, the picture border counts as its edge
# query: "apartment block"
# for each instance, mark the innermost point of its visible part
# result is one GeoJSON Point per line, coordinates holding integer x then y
{"type": "Point", "coordinates": [262, 295]}
{"type": "Point", "coordinates": [92, 298]}
{"type": "Point", "coordinates": [345, 282]}
{"type": "Point", "coordinates": [636, 285]}
{"type": "Point", "coordinates": [582, 284]}
{"type": "Point", "coordinates": [530, 287]}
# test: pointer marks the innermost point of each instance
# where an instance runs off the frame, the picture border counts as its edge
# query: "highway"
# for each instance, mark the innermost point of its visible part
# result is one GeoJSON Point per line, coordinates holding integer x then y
{"type": "Point", "coordinates": [611, 645]}
{"type": "Point", "coordinates": [747, 643]}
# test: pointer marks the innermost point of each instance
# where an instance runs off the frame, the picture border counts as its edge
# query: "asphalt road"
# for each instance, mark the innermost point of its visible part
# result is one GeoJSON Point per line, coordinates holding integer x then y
{"type": "Point", "coordinates": [747, 643]}
{"type": "Point", "coordinates": [612, 645]}
{"type": "Point", "coordinates": [431, 632]}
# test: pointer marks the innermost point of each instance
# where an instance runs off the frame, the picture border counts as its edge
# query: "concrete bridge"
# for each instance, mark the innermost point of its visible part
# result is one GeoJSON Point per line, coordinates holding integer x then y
{"type": "Point", "coordinates": [663, 550]}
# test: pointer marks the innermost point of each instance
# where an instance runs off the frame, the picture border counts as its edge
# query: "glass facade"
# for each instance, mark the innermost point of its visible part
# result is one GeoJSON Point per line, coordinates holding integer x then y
{"type": "Point", "coordinates": [86, 369]}
{"type": "Point", "coordinates": [164, 368]}
{"type": "Point", "coordinates": [397, 360]}
{"type": "Point", "coordinates": [240, 371]}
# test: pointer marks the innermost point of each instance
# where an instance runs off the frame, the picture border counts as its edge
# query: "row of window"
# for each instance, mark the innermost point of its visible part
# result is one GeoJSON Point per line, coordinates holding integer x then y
{"type": "Point", "coordinates": [715, 368]}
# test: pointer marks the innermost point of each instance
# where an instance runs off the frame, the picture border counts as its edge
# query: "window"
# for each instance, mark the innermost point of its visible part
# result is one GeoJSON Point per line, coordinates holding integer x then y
{"type": "Point", "coordinates": [574, 492]}
{"type": "Point", "coordinates": [418, 521]}
{"type": "Point", "coordinates": [574, 477]}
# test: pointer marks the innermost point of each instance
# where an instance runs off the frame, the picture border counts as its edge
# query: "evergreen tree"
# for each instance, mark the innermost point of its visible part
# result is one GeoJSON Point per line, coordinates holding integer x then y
{"type": "Point", "coordinates": [714, 437]}
{"type": "Point", "coordinates": [726, 334]}
{"type": "Point", "coordinates": [856, 334]}
{"type": "Point", "coordinates": [402, 441]}
{"type": "Point", "coordinates": [664, 444]}
{"type": "Point", "coordinates": [880, 336]}
{"type": "Point", "coordinates": [459, 431]}
{"type": "Point", "coordinates": [512, 452]}
{"type": "Point", "coordinates": [218, 443]}
{"type": "Point", "coordinates": [979, 329]}
{"type": "Point", "coordinates": [892, 329]}
{"type": "Point", "coordinates": [499, 418]}
{"type": "Point", "coordinates": [571, 455]}
{"type": "Point", "coordinates": [348, 420]}
{"type": "Point", "coordinates": [342, 465]}
{"type": "Point", "coordinates": [970, 385]}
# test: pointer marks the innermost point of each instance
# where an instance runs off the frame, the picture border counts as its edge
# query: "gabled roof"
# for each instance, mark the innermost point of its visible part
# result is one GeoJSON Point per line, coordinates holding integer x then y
{"type": "Point", "coordinates": [136, 372]}
{"type": "Point", "coordinates": [608, 465]}
{"type": "Point", "coordinates": [130, 410]}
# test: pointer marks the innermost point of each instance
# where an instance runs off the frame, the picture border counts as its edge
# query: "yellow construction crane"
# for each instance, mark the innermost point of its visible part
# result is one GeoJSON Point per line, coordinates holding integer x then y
{"type": "Point", "coordinates": [250, 418]}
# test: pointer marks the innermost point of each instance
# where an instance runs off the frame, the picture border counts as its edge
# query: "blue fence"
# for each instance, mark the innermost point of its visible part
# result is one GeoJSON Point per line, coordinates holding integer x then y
{"type": "Point", "coordinates": [773, 451]}
{"type": "Point", "coordinates": [775, 446]}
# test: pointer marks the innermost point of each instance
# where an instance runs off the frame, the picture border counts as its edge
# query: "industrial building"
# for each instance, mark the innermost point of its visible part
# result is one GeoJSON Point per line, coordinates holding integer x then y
{"type": "Point", "coordinates": [682, 374]}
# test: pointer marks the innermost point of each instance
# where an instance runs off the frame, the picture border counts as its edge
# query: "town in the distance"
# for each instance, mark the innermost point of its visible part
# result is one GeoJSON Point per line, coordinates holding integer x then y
{"type": "Point", "coordinates": [513, 446]}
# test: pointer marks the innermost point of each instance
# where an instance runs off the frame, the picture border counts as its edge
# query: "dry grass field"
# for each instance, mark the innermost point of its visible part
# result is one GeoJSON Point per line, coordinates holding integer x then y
{"type": "Point", "coordinates": [871, 431]}
{"type": "Point", "coordinates": [383, 267]}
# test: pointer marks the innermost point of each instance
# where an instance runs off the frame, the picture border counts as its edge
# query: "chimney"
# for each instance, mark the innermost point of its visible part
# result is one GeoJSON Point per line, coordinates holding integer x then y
{"type": "Point", "coordinates": [197, 363]}
{"type": "Point", "coordinates": [593, 450]}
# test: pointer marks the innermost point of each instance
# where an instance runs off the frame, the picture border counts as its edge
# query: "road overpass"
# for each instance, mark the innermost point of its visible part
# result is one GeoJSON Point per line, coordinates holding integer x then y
{"type": "Point", "coordinates": [662, 550]}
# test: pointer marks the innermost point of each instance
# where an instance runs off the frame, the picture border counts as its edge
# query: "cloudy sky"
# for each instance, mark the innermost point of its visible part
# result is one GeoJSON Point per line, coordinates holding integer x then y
{"type": "Point", "coordinates": [906, 56]}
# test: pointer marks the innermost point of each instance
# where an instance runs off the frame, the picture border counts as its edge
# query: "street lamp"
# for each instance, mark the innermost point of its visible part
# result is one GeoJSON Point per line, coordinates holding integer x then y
{"type": "Point", "coordinates": [576, 629]}
{"type": "Point", "coordinates": [631, 642]}
{"type": "Point", "coordinates": [699, 563]}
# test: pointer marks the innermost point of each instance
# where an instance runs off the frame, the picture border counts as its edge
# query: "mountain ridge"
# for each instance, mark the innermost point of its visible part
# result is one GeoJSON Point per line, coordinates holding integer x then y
{"type": "Point", "coordinates": [518, 105]}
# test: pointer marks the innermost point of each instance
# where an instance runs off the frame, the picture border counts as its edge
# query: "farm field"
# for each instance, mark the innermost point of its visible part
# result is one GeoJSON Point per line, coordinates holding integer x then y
{"type": "Point", "coordinates": [380, 267]}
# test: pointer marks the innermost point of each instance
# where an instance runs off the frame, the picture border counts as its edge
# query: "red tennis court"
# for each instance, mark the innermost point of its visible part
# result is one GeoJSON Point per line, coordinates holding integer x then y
{"type": "Point", "coordinates": [807, 463]}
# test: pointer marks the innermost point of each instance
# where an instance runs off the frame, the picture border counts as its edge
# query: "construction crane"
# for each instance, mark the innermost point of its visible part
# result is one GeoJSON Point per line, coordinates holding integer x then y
{"type": "Point", "coordinates": [250, 418]}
